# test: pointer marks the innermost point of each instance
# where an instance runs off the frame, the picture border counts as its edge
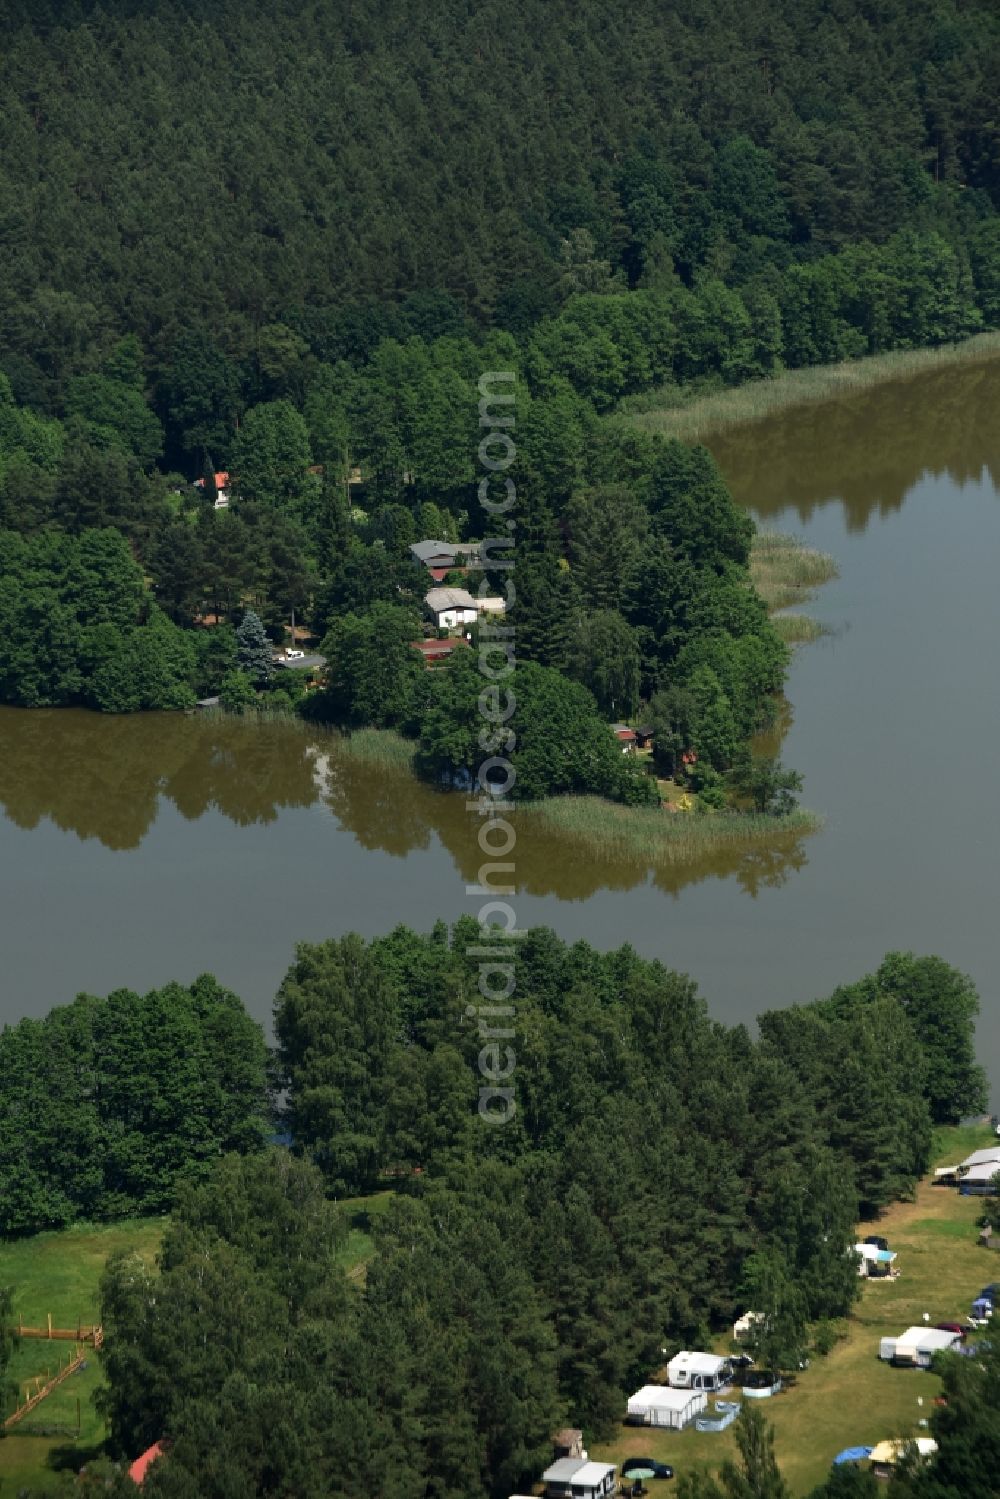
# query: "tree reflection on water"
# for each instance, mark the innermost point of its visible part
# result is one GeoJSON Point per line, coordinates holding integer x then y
{"type": "Point", "coordinates": [108, 778]}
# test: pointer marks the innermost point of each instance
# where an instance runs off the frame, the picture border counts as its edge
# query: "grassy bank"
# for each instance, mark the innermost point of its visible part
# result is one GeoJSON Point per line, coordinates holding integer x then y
{"type": "Point", "coordinates": [690, 415]}
{"type": "Point", "coordinates": [850, 1397]}
{"type": "Point", "coordinates": [784, 572]}
{"type": "Point", "coordinates": [798, 629]}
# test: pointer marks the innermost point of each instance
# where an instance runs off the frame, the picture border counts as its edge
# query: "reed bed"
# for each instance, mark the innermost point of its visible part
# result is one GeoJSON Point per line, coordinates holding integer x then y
{"type": "Point", "coordinates": [798, 629]}
{"type": "Point", "coordinates": [671, 413]}
{"type": "Point", "coordinates": [655, 836]}
{"type": "Point", "coordinates": [784, 571]}
{"type": "Point", "coordinates": [381, 747]}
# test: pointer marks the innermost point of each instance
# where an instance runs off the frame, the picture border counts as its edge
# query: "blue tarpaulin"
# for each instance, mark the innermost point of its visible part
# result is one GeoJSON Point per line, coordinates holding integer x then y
{"type": "Point", "coordinates": [853, 1455]}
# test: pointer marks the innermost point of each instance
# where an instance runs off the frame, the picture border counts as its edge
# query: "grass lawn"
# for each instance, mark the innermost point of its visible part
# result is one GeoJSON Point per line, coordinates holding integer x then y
{"type": "Point", "coordinates": [359, 1246]}
{"type": "Point", "coordinates": [60, 1273]}
{"type": "Point", "coordinates": [850, 1397]}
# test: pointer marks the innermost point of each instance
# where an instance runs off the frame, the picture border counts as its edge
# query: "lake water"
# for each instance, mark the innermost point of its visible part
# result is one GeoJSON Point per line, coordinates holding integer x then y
{"type": "Point", "coordinates": [141, 849]}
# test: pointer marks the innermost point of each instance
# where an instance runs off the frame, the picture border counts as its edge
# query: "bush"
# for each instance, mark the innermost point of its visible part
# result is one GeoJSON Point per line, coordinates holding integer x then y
{"type": "Point", "coordinates": [237, 693]}
{"type": "Point", "coordinates": [826, 1335]}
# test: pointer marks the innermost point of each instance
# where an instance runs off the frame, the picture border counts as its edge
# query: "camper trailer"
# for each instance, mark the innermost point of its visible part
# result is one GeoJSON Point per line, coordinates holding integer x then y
{"type": "Point", "coordinates": [699, 1371]}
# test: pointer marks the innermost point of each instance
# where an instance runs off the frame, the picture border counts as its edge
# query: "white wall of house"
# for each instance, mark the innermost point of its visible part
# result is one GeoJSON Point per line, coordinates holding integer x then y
{"type": "Point", "coordinates": [450, 619]}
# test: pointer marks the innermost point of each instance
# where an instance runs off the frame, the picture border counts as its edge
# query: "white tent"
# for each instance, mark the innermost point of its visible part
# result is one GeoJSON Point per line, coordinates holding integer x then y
{"type": "Point", "coordinates": [659, 1405]}
{"type": "Point", "coordinates": [983, 1171]}
{"type": "Point", "coordinates": [886, 1455]}
{"type": "Point", "coordinates": [917, 1345]}
{"type": "Point", "coordinates": [972, 1163]}
{"type": "Point", "coordinates": [983, 1157]}
{"type": "Point", "coordinates": [742, 1325]}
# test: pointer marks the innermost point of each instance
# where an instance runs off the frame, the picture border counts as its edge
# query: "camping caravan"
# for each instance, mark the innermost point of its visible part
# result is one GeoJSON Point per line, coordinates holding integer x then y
{"type": "Point", "coordinates": [917, 1346]}
{"type": "Point", "coordinates": [980, 1180]}
{"type": "Point", "coordinates": [577, 1477]}
{"type": "Point", "coordinates": [699, 1371]}
{"type": "Point", "coordinates": [659, 1405]}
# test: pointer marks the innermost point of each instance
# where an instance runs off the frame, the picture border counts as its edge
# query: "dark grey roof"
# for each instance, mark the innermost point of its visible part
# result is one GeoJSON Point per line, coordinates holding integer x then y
{"type": "Point", "coordinates": [424, 551]}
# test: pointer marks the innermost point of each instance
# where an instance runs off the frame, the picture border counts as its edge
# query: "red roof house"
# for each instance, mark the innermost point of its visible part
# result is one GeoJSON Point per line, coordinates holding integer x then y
{"type": "Point", "coordinates": [436, 652]}
{"type": "Point", "coordinates": [137, 1472]}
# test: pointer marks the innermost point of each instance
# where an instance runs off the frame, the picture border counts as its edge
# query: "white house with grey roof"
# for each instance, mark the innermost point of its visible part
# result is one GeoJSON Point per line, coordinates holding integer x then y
{"type": "Point", "coordinates": [452, 607]}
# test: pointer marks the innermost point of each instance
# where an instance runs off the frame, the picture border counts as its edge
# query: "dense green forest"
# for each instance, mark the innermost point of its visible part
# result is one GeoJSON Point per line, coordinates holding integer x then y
{"type": "Point", "coordinates": [286, 245]}
{"type": "Point", "coordinates": [106, 1104]}
{"type": "Point", "coordinates": [284, 242]}
{"type": "Point", "coordinates": [190, 165]}
{"type": "Point", "coordinates": [660, 1172]}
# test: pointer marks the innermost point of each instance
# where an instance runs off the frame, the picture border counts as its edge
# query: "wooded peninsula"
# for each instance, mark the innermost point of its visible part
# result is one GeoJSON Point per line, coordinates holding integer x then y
{"type": "Point", "coordinates": [271, 273]}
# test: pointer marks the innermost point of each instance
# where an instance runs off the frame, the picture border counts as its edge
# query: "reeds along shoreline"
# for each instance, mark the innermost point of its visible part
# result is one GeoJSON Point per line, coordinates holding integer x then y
{"type": "Point", "coordinates": [690, 416]}
{"type": "Point", "coordinates": [798, 629]}
{"type": "Point", "coordinates": [784, 570]}
{"type": "Point", "coordinates": [655, 835]}
{"type": "Point", "coordinates": [379, 747]}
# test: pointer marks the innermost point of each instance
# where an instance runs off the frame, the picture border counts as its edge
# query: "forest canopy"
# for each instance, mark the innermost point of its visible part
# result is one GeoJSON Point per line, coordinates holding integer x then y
{"type": "Point", "coordinates": [660, 1173]}
{"type": "Point", "coordinates": [282, 246]}
{"type": "Point", "coordinates": [389, 169]}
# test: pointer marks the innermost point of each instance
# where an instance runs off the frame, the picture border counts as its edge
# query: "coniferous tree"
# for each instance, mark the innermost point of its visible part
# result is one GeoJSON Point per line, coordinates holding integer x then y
{"type": "Point", "coordinates": [253, 649]}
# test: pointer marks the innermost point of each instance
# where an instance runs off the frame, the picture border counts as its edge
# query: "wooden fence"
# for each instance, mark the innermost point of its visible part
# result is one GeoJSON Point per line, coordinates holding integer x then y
{"type": "Point", "coordinates": [83, 1332]}
{"type": "Point", "coordinates": [86, 1337]}
{"type": "Point", "coordinates": [42, 1390]}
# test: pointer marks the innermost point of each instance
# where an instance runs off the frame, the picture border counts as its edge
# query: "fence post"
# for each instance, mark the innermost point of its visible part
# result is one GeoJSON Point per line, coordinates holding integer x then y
{"type": "Point", "coordinates": [50, 1324]}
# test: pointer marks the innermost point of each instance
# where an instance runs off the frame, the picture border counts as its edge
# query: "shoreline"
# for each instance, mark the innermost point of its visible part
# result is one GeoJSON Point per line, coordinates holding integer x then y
{"type": "Point", "coordinates": [656, 836]}
{"type": "Point", "coordinates": [669, 413]}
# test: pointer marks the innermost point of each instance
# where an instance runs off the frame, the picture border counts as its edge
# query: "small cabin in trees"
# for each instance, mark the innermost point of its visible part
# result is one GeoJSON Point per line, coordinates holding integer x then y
{"type": "Point", "coordinates": [221, 482]}
{"type": "Point", "coordinates": [443, 557]}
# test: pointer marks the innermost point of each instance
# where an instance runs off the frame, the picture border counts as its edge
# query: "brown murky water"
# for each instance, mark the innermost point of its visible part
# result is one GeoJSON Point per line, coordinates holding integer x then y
{"type": "Point", "coordinates": [137, 849]}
